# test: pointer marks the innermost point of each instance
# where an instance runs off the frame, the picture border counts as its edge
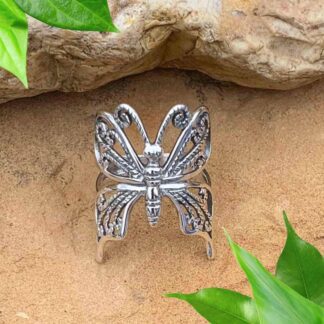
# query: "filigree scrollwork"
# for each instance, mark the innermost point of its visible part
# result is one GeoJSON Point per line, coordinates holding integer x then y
{"type": "Point", "coordinates": [201, 132]}
{"type": "Point", "coordinates": [181, 117]}
{"type": "Point", "coordinates": [123, 116]}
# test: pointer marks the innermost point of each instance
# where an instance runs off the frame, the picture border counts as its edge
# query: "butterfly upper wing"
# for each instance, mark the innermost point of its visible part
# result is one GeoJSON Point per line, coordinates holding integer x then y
{"type": "Point", "coordinates": [192, 148]}
{"type": "Point", "coordinates": [125, 167]}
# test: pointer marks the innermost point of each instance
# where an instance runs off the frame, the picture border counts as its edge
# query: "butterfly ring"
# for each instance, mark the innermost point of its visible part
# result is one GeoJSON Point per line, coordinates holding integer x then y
{"type": "Point", "coordinates": [178, 175]}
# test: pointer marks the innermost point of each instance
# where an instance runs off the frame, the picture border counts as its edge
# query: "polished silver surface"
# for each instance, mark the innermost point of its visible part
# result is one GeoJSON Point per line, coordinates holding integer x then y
{"type": "Point", "coordinates": [153, 174]}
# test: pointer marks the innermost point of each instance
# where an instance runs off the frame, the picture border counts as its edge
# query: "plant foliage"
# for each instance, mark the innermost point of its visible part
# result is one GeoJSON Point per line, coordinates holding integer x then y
{"type": "Point", "coordinates": [301, 267]}
{"type": "Point", "coordinates": [219, 305]}
{"type": "Point", "coordinates": [295, 295]}
{"type": "Point", "coordinates": [87, 15]}
{"type": "Point", "coordinates": [13, 39]}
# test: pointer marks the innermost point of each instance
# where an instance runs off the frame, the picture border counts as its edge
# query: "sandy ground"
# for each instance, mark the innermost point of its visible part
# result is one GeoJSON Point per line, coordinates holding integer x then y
{"type": "Point", "coordinates": [268, 155]}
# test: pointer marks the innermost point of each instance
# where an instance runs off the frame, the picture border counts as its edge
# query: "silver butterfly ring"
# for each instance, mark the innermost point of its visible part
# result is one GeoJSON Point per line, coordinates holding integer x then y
{"type": "Point", "coordinates": [178, 175]}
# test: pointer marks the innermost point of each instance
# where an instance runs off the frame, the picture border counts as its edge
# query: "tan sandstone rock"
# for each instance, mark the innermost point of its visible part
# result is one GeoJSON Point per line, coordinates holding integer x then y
{"type": "Point", "coordinates": [256, 43]}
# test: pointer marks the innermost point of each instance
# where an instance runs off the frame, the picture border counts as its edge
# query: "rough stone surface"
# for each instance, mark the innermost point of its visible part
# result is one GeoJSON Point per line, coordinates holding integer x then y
{"type": "Point", "coordinates": [257, 43]}
{"type": "Point", "coordinates": [267, 156]}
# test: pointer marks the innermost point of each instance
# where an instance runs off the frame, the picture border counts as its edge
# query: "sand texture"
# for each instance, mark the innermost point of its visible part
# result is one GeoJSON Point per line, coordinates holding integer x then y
{"type": "Point", "coordinates": [268, 155]}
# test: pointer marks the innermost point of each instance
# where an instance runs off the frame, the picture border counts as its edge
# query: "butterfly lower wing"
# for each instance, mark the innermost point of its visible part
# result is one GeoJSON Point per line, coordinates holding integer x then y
{"type": "Point", "coordinates": [192, 149]}
{"type": "Point", "coordinates": [112, 209]}
{"type": "Point", "coordinates": [125, 166]}
{"type": "Point", "coordinates": [195, 207]}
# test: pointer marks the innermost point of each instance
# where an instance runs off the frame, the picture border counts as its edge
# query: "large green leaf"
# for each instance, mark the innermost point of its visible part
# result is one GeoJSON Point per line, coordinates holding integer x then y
{"type": "Point", "coordinates": [301, 267]}
{"type": "Point", "coordinates": [276, 302]}
{"type": "Point", "coordinates": [91, 15]}
{"type": "Point", "coordinates": [221, 306]}
{"type": "Point", "coordinates": [13, 39]}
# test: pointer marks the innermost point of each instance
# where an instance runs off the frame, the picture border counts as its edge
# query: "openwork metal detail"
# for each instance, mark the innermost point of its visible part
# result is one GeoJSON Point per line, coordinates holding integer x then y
{"type": "Point", "coordinates": [178, 175]}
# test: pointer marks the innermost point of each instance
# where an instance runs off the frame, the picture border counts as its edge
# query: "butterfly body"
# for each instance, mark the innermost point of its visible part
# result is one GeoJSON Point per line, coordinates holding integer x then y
{"type": "Point", "coordinates": [154, 174]}
{"type": "Point", "coordinates": [152, 180]}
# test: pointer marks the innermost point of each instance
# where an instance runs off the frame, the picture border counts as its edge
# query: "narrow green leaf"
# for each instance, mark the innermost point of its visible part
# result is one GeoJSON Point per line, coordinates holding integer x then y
{"type": "Point", "coordinates": [221, 305]}
{"type": "Point", "coordinates": [301, 266]}
{"type": "Point", "coordinates": [275, 301]}
{"type": "Point", "coordinates": [90, 15]}
{"type": "Point", "coordinates": [13, 40]}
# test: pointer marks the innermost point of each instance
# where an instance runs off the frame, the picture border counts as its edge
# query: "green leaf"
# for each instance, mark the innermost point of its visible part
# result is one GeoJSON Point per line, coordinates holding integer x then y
{"type": "Point", "coordinates": [301, 266]}
{"type": "Point", "coordinates": [13, 40]}
{"type": "Point", "coordinates": [275, 301]}
{"type": "Point", "coordinates": [221, 306]}
{"type": "Point", "coordinates": [90, 15]}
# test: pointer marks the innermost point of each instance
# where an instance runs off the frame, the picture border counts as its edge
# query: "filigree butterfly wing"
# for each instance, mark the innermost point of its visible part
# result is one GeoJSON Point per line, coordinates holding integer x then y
{"type": "Point", "coordinates": [194, 205]}
{"type": "Point", "coordinates": [192, 149]}
{"type": "Point", "coordinates": [113, 206]}
{"type": "Point", "coordinates": [126, 166]}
